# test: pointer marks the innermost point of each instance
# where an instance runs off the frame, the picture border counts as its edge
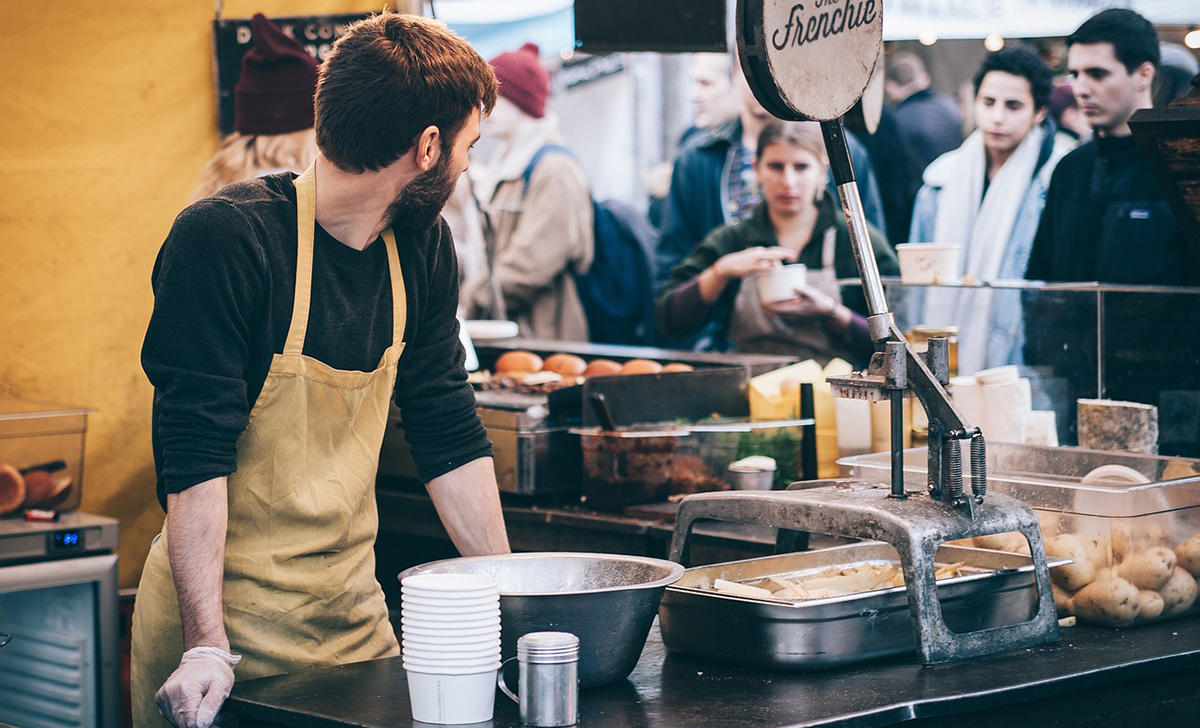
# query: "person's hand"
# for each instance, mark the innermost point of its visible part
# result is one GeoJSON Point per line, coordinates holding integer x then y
{"type": "Point", "coordinates": [751, 261]}
{"type": "Point", "coordinates": [809, 304]}
{"type": "Point", "coordinates": [192, 696]}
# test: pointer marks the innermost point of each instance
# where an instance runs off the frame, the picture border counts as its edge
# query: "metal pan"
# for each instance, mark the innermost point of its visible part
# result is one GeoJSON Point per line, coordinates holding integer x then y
{"type": "Point", "coordinates": [827, 633]}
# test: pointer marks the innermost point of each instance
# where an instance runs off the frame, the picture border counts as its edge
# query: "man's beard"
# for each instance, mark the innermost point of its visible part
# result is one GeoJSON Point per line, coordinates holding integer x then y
{"type": "Point", "coordinates": [418, 205]}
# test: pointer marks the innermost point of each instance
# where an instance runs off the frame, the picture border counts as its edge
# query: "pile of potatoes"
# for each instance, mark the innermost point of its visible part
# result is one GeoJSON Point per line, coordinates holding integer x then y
{"type": "Point", "coordinates": [1125, 578]}
{"type": "Point", "coordinates": [1144, 584]}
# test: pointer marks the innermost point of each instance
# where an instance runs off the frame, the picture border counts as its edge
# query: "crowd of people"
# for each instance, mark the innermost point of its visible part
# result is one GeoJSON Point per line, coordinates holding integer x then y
{"type": "Point", "coordinates": [1044, 182]}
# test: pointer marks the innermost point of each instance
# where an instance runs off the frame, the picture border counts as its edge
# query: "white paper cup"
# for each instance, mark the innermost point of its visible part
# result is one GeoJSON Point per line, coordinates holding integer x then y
{"type": "Point", "coordinates": [452, 613]}
{"type": "Point", "coordinates": [452, 648]}
{"type": "Point", "coordinates": [461, 613]}
{"type": "Point", "coordinates": [781, 283]}
{"type": "Point", "coordinates": [464, 594]}
{"type": "Point", "coordinates": [448, 602]}
{"type": "Point", "coordinates": [453, 622]}
{"type": "Point", "coordinates": [450, 699]}
{"type": "Point", "coordinates": [482, 661]}
{"type": "Point", "coordinates": [426, 629]}
{"type": "Point", "coordinates": [440, 583]}
{"type": "Point", "coordinates": [450, 636]}
{"type": "Point", "coordinates": [928, 262]}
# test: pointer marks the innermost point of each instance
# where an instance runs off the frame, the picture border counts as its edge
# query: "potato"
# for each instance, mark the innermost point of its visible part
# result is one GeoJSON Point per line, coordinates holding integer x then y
{"type": "Point", "coordinates": [1075, 575]}
{"type": "Point", "coordinates": [1179, 593]}
{"type": "Point", "coordinates": [1151, 605]}
{"type": "Point", "coordinates": [1121, 537]}
{"type": "Point", "coordinates": [1062, 600]}
{"type": "Point", "coordinates": [1149, 569]}
{"type": "Point", "coordinates": [1114, 602]}
{"type": "Point", "coordinates": [1188, 555]}
{"type": "Point", "coordinates": [1050, 522]}
{"type": "Point", "coordinates": [1012, 541]}
{"type": "Point", "coordinates": [1126, 539]}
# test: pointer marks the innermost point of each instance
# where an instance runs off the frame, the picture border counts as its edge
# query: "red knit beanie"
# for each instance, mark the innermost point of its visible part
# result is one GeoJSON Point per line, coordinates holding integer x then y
{"type": "Point", "coordinates": [523, 81]}
{"type": "Point", "coordinates": [275, 92]}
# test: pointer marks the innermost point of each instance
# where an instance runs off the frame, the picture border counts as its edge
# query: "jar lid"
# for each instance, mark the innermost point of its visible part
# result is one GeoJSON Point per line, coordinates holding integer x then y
{"type": "Point", "coordinates": [935, 330]}
{"type": "Point", "coordinates": [548, 647]}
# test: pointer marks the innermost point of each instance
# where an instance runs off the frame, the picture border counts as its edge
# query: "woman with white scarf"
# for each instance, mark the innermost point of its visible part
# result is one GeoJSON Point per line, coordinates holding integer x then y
{"type": "Point", "coordinates": [988, 195]}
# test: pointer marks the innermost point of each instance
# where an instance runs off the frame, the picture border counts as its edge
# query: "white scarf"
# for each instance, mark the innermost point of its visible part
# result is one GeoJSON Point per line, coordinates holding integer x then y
{"type": "Point", "coordinates": [983, 226]}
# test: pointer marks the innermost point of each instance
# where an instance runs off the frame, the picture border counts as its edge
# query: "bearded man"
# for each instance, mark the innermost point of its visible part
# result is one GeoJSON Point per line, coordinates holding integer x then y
{"type": "Point", "coordinates": [289, 311]}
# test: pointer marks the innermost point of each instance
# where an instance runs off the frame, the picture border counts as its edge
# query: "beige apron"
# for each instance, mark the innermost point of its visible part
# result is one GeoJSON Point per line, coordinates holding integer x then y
{"type": "Point", "coordinates": [752, 329]}
{"type": "Point", "coordinates": [299, 588]}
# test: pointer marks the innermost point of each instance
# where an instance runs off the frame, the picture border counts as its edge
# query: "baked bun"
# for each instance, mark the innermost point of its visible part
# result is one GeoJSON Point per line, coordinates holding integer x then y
{"type": "Point", "coordinates": [602, 368]}
{"type": "Point", "coordinates": [677, 367]}
{"type": "Point", "coordinates": [518, 363]}
{"type": "Point", "coordinates": [568, 365]}
{"type": "Point", "coordinates": [12, 489]}
{"type": "Point", "coordinates": [641, 366]}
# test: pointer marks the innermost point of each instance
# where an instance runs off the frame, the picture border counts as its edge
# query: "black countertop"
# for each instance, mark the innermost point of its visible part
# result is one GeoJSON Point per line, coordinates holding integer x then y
{"type": "Point", "coordinates": [1141, 676]}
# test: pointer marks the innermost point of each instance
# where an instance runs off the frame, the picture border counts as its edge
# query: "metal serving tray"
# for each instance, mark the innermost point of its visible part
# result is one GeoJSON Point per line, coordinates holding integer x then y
{"type": "Point", "coordinates": [836, 631]}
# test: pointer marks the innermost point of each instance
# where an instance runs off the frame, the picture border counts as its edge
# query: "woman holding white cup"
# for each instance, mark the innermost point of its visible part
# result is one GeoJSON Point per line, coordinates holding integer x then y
{"type": "Point", "coordinates": [736, 280]}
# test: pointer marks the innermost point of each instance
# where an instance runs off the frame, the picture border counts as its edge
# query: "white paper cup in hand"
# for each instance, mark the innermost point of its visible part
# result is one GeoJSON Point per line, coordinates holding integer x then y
{"type": "Point", "coordinates": [780, 284]}
{"type": "Point", "coordinates": [451, 699]}
{"type": "Point", "coordinates": [928, 262]}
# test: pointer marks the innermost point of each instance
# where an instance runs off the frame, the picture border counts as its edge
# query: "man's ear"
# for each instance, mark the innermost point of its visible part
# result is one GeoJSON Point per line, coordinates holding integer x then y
{"type": "Point", "coordinates": [428, 147]}
{"type": "Point", "coordinates": [1145, 74]}
{"type": "Point", "coordinates": [1040, 115]}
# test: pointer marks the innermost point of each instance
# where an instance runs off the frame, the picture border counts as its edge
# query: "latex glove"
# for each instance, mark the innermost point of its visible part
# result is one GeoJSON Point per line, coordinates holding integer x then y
{"type": "Point", "coordinates": [808, 304]}
{"type": "Point", "coordinates": [751, 261]}
{"type": "Point", "coordinates": [193, 695]}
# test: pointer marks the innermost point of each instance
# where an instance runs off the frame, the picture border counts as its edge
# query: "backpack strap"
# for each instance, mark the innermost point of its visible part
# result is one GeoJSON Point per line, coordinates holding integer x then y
{"type": "Point", "coordinates": [537, 157]}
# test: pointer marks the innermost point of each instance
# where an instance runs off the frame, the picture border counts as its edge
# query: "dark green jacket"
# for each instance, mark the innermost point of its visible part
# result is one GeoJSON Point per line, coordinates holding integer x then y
{"type": "Point", "coordinates": [758, 231]}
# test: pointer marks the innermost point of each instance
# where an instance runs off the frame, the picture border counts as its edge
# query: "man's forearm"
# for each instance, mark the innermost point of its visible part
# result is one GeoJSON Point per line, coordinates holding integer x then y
{"type": "Point", "coordinates": [197, 522]}
{"type": "Point", "coordinates": [468, 502]}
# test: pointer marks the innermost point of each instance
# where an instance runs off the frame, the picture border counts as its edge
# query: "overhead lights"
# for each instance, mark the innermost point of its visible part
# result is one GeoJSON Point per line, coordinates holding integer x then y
{"type": "Point", "coordinates": [1192, 39]}
{"type": "Point", "coordinates": [928, 37]}
{"type": "Point", "coordinates": [993, 42]}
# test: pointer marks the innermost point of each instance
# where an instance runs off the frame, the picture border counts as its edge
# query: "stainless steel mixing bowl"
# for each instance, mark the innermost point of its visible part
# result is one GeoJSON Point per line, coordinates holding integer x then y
{"type": "Point", "coordinates": [607, 600]}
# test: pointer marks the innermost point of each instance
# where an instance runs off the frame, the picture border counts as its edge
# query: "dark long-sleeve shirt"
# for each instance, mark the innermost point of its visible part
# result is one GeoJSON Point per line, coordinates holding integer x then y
{"type": "Point", "coordinates": [223, 290]}
{"type": "Point", "coordinates": [1106, 220]}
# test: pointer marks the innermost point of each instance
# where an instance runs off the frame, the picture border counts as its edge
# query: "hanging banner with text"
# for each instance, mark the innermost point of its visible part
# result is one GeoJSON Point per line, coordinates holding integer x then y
{"type": "Point", "coordinates": [949, 19]}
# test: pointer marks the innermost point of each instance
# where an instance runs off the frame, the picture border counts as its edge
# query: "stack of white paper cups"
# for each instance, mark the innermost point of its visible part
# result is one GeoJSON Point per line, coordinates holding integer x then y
{"type": "Point", "coordinates": [450, 638]}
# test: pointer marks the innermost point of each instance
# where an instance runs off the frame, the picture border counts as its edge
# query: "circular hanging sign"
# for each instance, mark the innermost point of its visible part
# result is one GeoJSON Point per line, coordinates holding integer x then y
{"type": "Point", "coordinates": [812, 59]}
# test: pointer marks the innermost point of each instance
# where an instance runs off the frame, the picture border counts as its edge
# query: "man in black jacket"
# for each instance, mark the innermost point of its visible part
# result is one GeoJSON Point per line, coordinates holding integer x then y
{"type": "Point", "coordinates": [1106, 220]}
{"type": "Point", "coordinates": [1105, 217]}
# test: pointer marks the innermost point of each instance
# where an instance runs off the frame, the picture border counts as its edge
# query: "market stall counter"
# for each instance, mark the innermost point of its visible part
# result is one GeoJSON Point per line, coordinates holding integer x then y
{"type": "Point", "coordinates": [1094, 677]}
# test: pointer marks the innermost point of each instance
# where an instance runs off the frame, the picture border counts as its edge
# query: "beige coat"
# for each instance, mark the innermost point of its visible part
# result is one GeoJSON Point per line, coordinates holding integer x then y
{"type": "Point", "coordinates": [536, 237]}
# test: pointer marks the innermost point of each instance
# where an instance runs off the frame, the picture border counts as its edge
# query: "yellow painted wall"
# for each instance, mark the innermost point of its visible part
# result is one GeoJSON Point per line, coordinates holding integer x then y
{"type": "Point", "coordinates": [107, 114]}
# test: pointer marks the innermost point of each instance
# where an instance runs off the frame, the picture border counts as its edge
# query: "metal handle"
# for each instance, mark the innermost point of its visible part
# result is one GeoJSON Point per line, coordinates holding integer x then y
{"type": "Point", "coordinates": [503, 685]}
{"type": "Point", "coordinates": [843, 175]}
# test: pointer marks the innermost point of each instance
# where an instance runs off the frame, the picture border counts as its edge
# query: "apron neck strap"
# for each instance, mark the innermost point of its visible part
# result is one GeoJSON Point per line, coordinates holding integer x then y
{"type": "Point", "coordinates": [306, 222]}
{"type": "Point", "coordinates": [399, 297]}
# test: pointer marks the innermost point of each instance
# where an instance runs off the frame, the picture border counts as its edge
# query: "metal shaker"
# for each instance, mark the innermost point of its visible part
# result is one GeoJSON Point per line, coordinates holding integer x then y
{"type": "Point", "coordinates": [548, 688]}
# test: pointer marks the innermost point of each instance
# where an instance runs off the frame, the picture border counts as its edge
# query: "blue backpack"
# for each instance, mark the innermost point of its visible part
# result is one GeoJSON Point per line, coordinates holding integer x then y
{"type": "Point", "coordinates": [617, 292]}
